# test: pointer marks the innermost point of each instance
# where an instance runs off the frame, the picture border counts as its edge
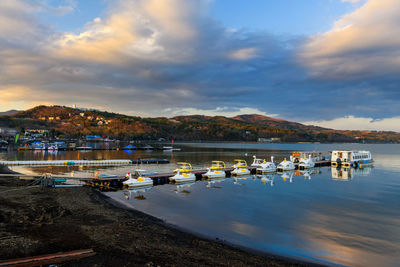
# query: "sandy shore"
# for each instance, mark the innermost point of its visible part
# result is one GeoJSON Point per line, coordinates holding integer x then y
{"type": "Point", "coordinates": [36, 221]}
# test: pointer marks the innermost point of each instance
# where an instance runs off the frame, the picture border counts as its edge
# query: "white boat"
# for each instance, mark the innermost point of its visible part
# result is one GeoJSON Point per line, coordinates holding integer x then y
{"type": "Point", "coordinates": [285, 165]}
{"type": "Point", "coordinates": [217, 170]}
{"type": "Point", "coordinates": [183, 177]}
{"type": "Point", "coordinates": [267, 166]}
{"type": "Point", "coordinates": [240, 171]}
{"type": "Point", "coordinates": [39, 146]}
{"type": "Point", "coordinates": [137, 179]}
{"type": "Point", "coordinates": [306, 163]}
{"type": "Point", "coordinates": [213, 173]}
{"type": "Point", "coordinates": [257, 162]}
{"type": "Point", "coordinates": [170, 148]}
{"type": "Point", "coordinates": [53, 147]}
{"type": "Point", "coordinates": [351, 158]}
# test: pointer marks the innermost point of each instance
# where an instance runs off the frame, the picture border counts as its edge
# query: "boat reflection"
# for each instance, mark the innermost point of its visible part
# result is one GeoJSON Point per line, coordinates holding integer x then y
{"type": "Point", "coordinates": [213, 183]}
{"type": "Point", "coordinates": [287, 176]}
{"type": "Point", "coordinates": [307, 173]}
{"type": "Point", "coordinates": [267, 179]}
{"type": "Point", "coordinates": [183, 186]}
{"type": "Point", "coordinates": [136, 193]}
{"type": "Point", "coordinates": [346, 174]}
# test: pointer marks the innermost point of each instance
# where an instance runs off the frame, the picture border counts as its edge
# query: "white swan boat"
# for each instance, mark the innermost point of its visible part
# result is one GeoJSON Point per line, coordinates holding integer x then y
{"type": "Point", "coordinates": [306, 163]}
{"type": "Point", "coordinates": [183, 177]}
{"type": "Point", "coordinates": [257, 162]}
{"type": "Point", "coordinates": [285, 165]}
{"type": "Point", "coordinates": [137, 180]}
{"type": "Point", "coordinates": [267, 166]}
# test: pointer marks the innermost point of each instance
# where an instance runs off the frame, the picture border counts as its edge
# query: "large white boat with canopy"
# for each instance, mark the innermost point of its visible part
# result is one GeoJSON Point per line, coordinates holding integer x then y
{"type": "Point", "coordinates": [351, 158]}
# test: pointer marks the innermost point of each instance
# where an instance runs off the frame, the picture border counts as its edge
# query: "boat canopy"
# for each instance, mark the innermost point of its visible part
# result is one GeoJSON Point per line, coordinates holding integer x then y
{"type": "Point", "coordinates": [217, 164]}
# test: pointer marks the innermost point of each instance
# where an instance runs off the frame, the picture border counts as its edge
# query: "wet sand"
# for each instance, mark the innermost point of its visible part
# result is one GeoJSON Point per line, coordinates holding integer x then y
{"type": "Point", "coordinates": [35, 221]}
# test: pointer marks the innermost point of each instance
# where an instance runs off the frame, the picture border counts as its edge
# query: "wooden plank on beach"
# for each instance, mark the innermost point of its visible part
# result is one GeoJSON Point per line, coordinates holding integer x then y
{"type": "Point", "coordinates": [49, 258]}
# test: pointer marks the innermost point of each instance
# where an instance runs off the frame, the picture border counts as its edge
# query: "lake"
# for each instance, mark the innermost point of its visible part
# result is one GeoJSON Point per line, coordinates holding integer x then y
{"type": "Point", "coordinates": [327, 215]}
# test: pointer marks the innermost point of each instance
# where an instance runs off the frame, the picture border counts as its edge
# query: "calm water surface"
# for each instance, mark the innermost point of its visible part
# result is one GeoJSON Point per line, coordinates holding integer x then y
{"type": "Point", "coordinates": [344, 217]}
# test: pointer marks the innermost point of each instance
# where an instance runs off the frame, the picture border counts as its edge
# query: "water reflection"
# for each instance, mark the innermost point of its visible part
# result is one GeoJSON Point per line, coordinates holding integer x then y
{"type": "Point", "coordinates": [214, 183]}
{"type": "Point", "coordinates": [287, 176]}
{"type": "Point", "coordinates": [183, 187]}
{"type": "Point", "coordinates": [346, 174]}
{"type": "Point", "coordinates": [136, 193]}
{"type": "Point", "coordinates": [355, 223]}
{"type": "Point", "coordinates": [267, 179]}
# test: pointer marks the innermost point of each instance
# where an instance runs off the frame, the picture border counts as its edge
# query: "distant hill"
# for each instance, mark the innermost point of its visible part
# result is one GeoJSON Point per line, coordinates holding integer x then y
{"type": "Point", "coordinates": [9, 112]}
{"type": "Point", "coordinates": [69, 122]}
{"type": "Point", "coordinates": [275, 123]}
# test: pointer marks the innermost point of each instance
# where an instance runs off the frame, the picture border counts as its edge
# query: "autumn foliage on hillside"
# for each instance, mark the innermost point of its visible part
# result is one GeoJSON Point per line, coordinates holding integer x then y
{"type": "Point", "coordinates": [71, 122]}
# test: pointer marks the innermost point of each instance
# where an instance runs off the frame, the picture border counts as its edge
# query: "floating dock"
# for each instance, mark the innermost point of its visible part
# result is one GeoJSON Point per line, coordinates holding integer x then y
{"type": "Point", "coordinates": [108, 162]}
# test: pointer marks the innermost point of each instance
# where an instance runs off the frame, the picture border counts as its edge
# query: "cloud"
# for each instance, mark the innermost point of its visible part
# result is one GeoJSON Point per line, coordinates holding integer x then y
{"type": "Point", "coordinates": [363, 43]}
{"type": "Point", "coordinates": [357, 123]}
{"type": "Point", "coordinates": [167, 57]}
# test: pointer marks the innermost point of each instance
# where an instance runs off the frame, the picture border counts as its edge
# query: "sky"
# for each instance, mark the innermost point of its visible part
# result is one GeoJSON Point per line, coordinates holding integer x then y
{"type": "Point", "coordinates": [332, 63]}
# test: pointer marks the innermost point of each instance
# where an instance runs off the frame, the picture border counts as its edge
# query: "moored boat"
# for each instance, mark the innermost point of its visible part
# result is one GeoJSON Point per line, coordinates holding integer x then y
{"type": "Point", "coordinates": [257, 162]}
{"type": "Point", "coordinates": [183, 177]}
{"type": "Point", "coordinates": [267, 166]}
{"type": "Point", "coordinates": [217, 170]}
{"type": "Point", "coordinates": [137, 179]}
{"type": "Point", "coordinates": [285, 165]}
{"type": "Point", "coordinates": [306, 163]}
{"type": "Point", "coordinates": [351, 158]}
{"type": "Point", "coordinates": [239, 163]}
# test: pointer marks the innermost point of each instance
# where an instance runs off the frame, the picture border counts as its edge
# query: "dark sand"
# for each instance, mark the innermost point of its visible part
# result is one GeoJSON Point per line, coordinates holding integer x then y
{"type": "Point", "coordinates": [35, 221]}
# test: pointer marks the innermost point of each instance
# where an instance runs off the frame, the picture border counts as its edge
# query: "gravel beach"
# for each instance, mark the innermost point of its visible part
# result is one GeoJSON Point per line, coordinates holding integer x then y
{"type": "Point", "coordinates": [36, 221]}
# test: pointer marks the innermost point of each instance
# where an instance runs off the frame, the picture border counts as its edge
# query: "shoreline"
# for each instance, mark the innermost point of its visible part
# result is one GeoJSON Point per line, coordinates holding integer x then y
{"type": "Point", "coordinates": [291, 260]}
{"type": "Point", "coordinates": [36, 221]}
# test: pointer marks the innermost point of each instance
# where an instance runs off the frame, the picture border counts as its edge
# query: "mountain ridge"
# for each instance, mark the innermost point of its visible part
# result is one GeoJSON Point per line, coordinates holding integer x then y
{"type": "Point", "coordinates": [67, 121]}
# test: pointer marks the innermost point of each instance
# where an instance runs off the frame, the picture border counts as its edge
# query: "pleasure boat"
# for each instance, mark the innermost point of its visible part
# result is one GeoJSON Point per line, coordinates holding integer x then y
{"type": "Point", "coordinates": [266, 166]}
{"type": "Point", "coordinates": [306, 163]}
{"type": "Point", "coordinates": [351, 158]}
{"type": "Point", "coordinates": [257, 162]}
{"type": "Point", "coordinates": [137, 179]}
{"type": "Point", "coordinates": [184, 167]}
{"type": "Point", "coordinates": [239, 163]}
{"type": "Point", "coordinates": [217, 170]}
{"type": "Point", "coordinates": [183, 177]}
{"type": "Point", "coordinates": [240, 171]}
{"type": "Point", "coordinates": [39, 146]}
{"type": "Point", "coordinates": [53, 147]}
{"type": "Point", "coordinates": [285, 165]}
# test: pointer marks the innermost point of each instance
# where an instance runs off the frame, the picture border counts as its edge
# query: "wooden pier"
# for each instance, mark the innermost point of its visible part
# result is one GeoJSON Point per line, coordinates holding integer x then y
{"type": "Point", "coordinates": [116, 182]}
